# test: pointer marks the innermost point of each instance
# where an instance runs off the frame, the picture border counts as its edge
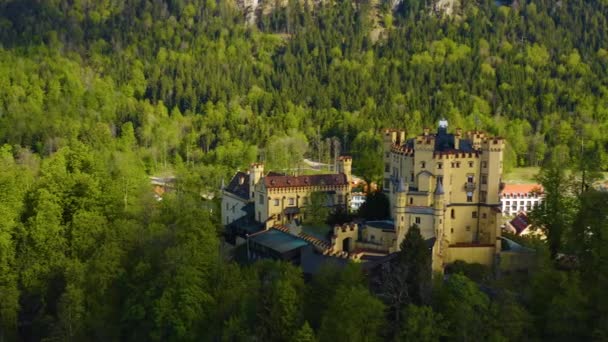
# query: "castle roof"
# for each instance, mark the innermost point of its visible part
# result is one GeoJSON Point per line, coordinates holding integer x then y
{"type": "Point", "coordinates": [513, 189]}
{"type": "Point", "coordinates": [439, 188]}
{"type": "Point", "coordinates": [401, 187]}
{"type": "Point", "coordinates": [273, 181]}
{"type": "Point", "coordinates": [239, 185]}
{"type": "Point", "coordinates": [279, 241]}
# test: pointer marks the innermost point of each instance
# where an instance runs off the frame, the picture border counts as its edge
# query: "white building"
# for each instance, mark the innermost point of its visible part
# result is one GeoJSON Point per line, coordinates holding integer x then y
{"type": "Point", "coordinates": [517, 198]}
{"type": "Point", "coordinates": [357, 198]}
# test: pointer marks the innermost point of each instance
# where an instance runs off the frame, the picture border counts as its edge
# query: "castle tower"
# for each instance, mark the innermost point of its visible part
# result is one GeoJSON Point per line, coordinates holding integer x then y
{"type": "Point", "coordinates": [400, 220]}
{"type": "Point", "coordinates": [438, 224]}
{"type": "Point", "coordinates": [345, 166]}
{"type": "Point", "coordinates": [256, 172]}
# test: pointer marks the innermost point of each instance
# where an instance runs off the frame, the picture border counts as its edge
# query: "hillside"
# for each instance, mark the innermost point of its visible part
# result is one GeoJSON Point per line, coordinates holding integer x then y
{"type": "Point", "coordinates": [96, 96]}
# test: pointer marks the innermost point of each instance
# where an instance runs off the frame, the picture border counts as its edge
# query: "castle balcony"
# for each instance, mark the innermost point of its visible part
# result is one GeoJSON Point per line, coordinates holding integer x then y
{"type": "Point", "coordinates": [470, 186]}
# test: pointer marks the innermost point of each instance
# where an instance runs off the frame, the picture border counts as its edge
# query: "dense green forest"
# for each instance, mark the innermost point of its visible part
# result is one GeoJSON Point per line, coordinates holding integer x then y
{"type": "Point", "coordinates": [95, 96]}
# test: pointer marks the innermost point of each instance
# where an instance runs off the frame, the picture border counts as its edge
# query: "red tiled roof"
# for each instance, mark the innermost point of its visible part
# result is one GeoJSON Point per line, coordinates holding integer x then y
{"type": "Point", "coordinates": [521, 188]}
{"type": "Point", "coordinates": [304, 181]}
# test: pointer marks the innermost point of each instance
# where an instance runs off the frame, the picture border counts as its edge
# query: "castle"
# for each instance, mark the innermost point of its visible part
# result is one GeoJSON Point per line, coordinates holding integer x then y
{"type": "Point", "coordinates": [278, 199]}
{"type": "Point", "coordinates": [447, 184]}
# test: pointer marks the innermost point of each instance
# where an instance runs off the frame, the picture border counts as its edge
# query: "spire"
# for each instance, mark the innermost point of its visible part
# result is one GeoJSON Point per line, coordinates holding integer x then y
{"type": "Point", "coordinates": [401, 187]}
{"type": "Point", "coordinates": [439, 188]}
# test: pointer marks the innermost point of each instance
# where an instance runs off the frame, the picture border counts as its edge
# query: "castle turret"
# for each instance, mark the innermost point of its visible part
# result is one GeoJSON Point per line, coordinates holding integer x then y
{"type": "Point", "coordinates": [345, 166]}
{"type": "Point", "coordinates": [256, 172]}
{"type": "Point", "coordinates": [400, 222]}
{"type": "Point", "coordinates": [438, 224]}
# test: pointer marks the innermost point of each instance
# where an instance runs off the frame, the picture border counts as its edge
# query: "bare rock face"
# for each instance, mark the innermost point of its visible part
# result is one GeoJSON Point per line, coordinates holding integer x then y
{"type": "Point", "coordinates": [255, 9]}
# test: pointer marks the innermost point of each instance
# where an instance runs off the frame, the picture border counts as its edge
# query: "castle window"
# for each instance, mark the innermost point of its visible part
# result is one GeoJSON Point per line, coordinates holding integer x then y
{"type": "Point", "coordinates": [387, 184]}
{"type": "Point", "coordinates": [452, 214]}
{"type": "Point", "coordinates": [471, 164]}
{"type": "Point", "coordinates": [411, 177]}
{"type": "Point", "coordinates": [387, 167]}
{"type": "Point", "coordinates": [411, 200]}
{"type": "Point", "coordinates": [457, 164]}
{"type": "Point", "coordinates": [292, 201]}
{"type": "Point", "coordinates": [484, 164]}
{"type": "Point", "coordinates": [422, 165]}
{"type": "Point", "coordinates": [439, 165]}
{"type": "Point", "coordinates": [484, 179]}
{"type": "Point", "coordinates": [279, 217]}
{"type": "Point", "coordinates": [474, 215]}
{"type": "Point", "coordinates": [276, 202]}
{"type": "Point", "coordinates": [417, 220]}
{"type": "Point", "coordinates": [469, 178]}
{"type": "Point", "coordinates": [469, 197]}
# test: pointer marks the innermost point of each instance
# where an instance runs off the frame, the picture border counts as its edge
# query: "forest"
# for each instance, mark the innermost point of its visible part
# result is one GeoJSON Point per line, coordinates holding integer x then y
{"type": "Point", "coordinates": [96, 96]}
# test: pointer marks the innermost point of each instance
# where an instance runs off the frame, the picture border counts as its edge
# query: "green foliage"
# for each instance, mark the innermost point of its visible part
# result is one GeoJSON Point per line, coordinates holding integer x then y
{"type": "Point", "coordinates": [316, 211]}
{"type": "Point", "coordinates": [421, 323]}
{"type": "Point", "coordinates": [353, 315]}
{"type": "Point", "coordinates": [305, 334]}
{"type": "Point", "coordinates": [375, 207]}
{"type": "Point", "coordinates": [556, 212]}
{"type": "Point", "coordinates": [465, 308]}
{"type": "Point", "coordinates": [415, 256]}
{"type": "Point", "coordinates": [95, 96]}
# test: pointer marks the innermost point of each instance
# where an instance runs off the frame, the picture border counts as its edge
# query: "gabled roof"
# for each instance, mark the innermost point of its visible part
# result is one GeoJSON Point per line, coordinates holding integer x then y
{"type": "Point", "coordinates": [425, 172]}
{"type": "Point", "coordinates": [239, 185]}
{"type": "Point", "coordinates": [272, 181]}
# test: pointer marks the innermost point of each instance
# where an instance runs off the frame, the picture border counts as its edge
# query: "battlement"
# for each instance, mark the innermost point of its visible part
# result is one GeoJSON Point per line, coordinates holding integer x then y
{"type": "Point", "coordinates": [256, 166]}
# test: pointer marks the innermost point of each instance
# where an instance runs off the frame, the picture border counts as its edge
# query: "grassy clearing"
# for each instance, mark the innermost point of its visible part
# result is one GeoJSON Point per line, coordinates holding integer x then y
{"type": "Point", "coordinates": [528, 174]}
{"type": "Point", "coordinates": [522, 175]}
